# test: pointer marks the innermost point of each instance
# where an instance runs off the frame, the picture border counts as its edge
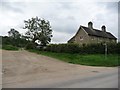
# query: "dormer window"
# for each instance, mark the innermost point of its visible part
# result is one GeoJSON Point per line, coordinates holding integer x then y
{"type": "Point", "coordinates": [81, 37]}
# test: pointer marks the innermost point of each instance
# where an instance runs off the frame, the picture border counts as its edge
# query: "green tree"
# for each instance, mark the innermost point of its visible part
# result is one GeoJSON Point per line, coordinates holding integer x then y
{"type": "Point", "coordinates": [14, 33]}
{"type": "Point", "coordinates": [14, 37]}
{"type": "Point", "coordinates": [38, 29]}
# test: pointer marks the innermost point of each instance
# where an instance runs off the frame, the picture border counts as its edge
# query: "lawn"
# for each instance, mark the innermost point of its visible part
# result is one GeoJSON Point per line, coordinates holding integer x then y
{"type": "Point", "coordinates": [84, 59]}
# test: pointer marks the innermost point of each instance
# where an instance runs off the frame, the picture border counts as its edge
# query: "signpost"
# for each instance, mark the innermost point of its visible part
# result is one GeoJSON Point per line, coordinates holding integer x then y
{"type": "Point", "coordinates": [105, 51]}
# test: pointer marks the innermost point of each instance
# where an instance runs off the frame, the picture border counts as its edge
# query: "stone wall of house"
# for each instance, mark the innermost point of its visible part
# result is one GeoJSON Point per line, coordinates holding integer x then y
{"type": "Point", "coordinates": [83, 38]}
{"type": "Point", "coordinates": [72, 40]}
{"type": "Point", "coordinates": [94, 39]}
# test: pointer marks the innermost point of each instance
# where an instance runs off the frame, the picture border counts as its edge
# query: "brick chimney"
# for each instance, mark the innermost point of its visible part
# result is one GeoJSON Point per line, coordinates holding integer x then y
{"type": "Point", "coordinates": [103, 28]}
{"type": "Point", "coordinates": [90, 25]}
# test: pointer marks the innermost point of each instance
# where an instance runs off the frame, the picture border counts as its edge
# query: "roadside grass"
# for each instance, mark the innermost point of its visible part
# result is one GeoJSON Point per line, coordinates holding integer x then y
{"type": "Point", "coordinates": [10, 47]}
{"type": "Point", "coordinates": [84, 59]}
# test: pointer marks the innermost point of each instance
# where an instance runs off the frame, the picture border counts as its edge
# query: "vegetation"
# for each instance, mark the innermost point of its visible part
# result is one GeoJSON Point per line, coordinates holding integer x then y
{"type": "Point", "coordinates": [11, 42]}
{"type": "Point", "coordinates": [14, 34]}
{"type": "Point", "coordinates": [14, 38]}
{"type": "Point", "coordinates": [38, 29]}
{"type": "Point", "coordinates": [88, 49]}
{"type": "Point", "coordinates": [30, 45]}
{"type": "Point", "coordinates": [18, 42]}
{"type": "Point", "coordinates": [63, 48]}
{"type": "Point", "coordinates": [10, 47]}
{"type": "Point", "coordinates": [84, 59]}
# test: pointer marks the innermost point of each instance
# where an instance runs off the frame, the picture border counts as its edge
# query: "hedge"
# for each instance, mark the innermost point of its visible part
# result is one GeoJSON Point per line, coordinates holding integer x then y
{"type": "Point", "coordinates": [63, 48]}
{"type": "Point", "coordinates": [30, 45]}
{"type": "Point", "coordinates": [9, 47]}
{"type": "Point", "coordinates": [87, 49]}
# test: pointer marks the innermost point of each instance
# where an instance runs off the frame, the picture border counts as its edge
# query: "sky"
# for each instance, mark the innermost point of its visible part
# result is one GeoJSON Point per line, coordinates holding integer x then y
{"type": "Point", "coordinates": [65, 16]}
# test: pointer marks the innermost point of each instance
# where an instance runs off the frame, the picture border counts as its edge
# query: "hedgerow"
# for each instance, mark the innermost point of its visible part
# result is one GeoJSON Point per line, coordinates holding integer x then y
{"type": "Point", "coordinates": [86, 49]}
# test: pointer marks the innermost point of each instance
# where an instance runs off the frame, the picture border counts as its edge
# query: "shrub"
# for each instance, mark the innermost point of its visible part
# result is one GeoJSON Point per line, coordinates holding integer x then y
{"type": "Point", "coordinates": [118, 48]}
{"type": "Point", "coordinates": [63, 48]}
{"type": "Point", "coordinates": [92, 49]}
{"type": "Point", "coordinates": [86, 49]}
{"type": "Point", "coordinates": [9, 47]}
{"type": "Point", "coordinates": [73, 48]}
{"type": "Point", "coordinates": [30, 45]}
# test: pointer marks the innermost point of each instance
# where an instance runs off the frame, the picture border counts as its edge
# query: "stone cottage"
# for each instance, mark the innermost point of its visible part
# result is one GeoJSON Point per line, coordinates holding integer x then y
{"type": "Point", "coordinates": [89, 35]}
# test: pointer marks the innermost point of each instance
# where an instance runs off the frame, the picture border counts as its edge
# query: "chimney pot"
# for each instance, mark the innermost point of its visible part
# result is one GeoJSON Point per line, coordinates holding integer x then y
{"type": "Point", "coordinates": [103, 28]}
{"type": "Point", "coordinates": [90, 25]}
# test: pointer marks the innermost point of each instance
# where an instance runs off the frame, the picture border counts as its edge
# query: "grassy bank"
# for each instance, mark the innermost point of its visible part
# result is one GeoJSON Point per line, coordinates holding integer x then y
{"type": "Point", "coordinates": [9, 47]}
{"type": "Point", "coordinates": [88, 59]}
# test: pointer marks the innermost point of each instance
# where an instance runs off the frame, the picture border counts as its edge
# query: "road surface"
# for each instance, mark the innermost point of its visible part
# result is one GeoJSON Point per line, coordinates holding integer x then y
{"type": "Point", "coordinates": [22, 69]}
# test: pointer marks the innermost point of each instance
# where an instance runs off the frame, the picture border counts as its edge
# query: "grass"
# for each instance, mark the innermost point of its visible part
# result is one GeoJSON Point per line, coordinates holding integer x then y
{"type": "Point", "coordinates": [9, 47]}
{"type": "Point", "coordinates": [88, 59]}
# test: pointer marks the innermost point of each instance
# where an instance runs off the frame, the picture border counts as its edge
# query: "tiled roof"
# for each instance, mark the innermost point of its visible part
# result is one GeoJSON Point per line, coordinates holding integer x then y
{"type": "Point", "coordinates": [98, 33]}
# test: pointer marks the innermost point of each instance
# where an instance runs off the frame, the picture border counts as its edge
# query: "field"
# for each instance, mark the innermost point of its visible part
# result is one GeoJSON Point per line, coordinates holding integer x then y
{"type": "Point", "coordinates": [110, 60]}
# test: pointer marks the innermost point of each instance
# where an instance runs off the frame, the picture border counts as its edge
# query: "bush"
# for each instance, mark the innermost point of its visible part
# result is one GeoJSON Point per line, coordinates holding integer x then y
{"type": "Point", "coordinates": [118, 48]}
{"type": "Point", "coordinates": [92, 49]}
{"type": "Point", "coordinates": [30, 45]}
{"type": "Point", "coordinates": [63, 48]}
{"type": "Point", "coordinates": [87, 49]}
{"type": "Point", "coordinates": [9, 47]}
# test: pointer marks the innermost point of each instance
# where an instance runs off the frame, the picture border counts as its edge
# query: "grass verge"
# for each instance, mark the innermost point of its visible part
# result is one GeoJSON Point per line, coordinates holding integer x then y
{"type": "Point", "coordinates": [88, 59]}
{"type": "Point", "coordinates": [9, 47]}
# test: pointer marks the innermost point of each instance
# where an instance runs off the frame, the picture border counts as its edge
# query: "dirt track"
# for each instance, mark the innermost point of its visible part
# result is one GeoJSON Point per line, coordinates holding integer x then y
{"type": "Point", "coordinates": [23, 68]}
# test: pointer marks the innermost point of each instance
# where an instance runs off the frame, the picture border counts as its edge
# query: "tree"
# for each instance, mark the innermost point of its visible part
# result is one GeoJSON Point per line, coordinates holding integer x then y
{"type": "Point", "coordinates": [14, 33]}
{"type": "Point", "coordinates": [14, 37]}
{"type": "Point", "coordinates": [6, 40]}
{"type": "Point", "coordinates": [38, 29]}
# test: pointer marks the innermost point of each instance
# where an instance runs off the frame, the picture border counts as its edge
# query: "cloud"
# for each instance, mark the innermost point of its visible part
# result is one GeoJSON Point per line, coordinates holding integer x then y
{"type": "Point", "coordinates": [11, 6]}
{"type": "Point", "coordinates": [65, 17]}
{"type": "Point", "coordinates": [60, 37]}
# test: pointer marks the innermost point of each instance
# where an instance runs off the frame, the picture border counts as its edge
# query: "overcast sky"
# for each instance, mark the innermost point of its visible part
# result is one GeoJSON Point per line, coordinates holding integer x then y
{"type": "Point", "coordinates": [65, 16]}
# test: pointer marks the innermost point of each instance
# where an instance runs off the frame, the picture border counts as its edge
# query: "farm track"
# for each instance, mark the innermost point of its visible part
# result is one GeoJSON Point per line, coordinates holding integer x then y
{"type": "Point", "coordinates": [23, 69]}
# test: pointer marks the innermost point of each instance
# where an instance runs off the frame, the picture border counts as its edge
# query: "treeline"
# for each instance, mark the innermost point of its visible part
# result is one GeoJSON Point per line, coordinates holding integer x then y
{"type": "Point", "coordinates": [88, 49]}
{"type": "Point", "coordinates": [18, 42]}
{"type": "Point", "coordinates": [10, 43]}
{"type": "Point", "coordinates": [38, 36]}
{"type": "Point", "coordinates": [39, 33]}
